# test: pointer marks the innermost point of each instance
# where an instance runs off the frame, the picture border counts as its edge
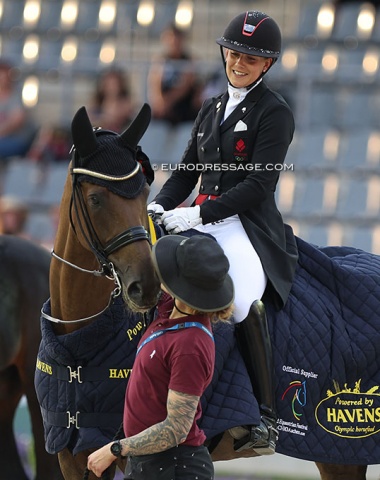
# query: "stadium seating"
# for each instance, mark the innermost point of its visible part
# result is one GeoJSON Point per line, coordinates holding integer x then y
{"type": "Point", "coordinates": [329, 74]}
{"type": "Point", "coordinates": [155, 141]}
{"type": "Point", "coordinates": [12, 15]}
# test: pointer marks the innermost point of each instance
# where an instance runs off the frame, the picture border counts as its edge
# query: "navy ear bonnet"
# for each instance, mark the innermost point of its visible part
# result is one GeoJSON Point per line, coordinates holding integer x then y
{"type": "Point", "coordinates": [112, 155]}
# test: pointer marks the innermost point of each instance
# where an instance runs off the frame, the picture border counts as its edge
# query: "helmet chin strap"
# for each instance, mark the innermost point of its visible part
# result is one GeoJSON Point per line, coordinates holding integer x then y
{"type": "Point", "coordinates": [248, 87]}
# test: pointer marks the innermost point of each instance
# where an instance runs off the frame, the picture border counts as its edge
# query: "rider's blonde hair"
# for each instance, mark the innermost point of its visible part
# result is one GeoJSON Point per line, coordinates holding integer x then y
{"type": "Point", "coordinates": [224, 315]}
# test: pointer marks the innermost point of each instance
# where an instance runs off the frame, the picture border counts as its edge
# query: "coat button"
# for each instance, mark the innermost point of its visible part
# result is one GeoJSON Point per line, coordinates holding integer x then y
{"type": "Point", "coordinates": [202, 149]}
{"type": "Point", "coordinates": [202, 188]}
{"type": "Point", "coordinates": [216, 188]}
{"type": "Point", "coordinates": [218, 149]}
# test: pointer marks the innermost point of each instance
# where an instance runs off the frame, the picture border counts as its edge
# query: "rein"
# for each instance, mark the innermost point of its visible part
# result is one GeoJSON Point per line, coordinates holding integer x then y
{"type": "Point", "coordinates": [131, 235]}
{"type": "Point", "coordinates": [115, 292]}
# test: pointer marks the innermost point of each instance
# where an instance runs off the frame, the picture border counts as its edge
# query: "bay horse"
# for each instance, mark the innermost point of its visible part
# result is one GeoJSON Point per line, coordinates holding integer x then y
{"type": "Point", "coordinates": [101, 250]}
{"type": "Point", "coordinates": [24, 284]}
{"type": "Point", "coordinates": [102, 254]}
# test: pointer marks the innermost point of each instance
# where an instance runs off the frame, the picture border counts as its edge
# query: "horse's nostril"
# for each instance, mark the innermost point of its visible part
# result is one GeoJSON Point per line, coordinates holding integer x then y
{"type": "Point", "coordinates": [135, 291]}
{"type": "Point", "coordinates": [137, 296]}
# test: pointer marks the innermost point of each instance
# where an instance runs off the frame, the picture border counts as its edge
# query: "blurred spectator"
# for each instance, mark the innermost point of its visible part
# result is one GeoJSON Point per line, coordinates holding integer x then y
{"type": "Point", "coordinates": [44, 229]}
{"type": "Point", "coordinates": [17, 219]}
{"type": "Point", "coordinates": [16, 127]}
{"type": "Point", "coordinates": [111, 106]}
{"type": "Point", "coordinates": [13, 216]}
{"type": "Point", "coordinates": [52, 144]}
{"type": "Point", "coordinates": [173, 90]}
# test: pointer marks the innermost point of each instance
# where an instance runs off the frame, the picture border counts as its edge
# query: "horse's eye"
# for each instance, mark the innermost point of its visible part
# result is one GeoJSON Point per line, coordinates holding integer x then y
{"type": "Point", "coordinates": [93, 200]}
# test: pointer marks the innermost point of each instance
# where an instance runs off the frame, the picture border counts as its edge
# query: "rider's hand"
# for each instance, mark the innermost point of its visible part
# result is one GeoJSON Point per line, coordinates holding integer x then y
{"type": "Point", "coordinates": [155, 210]}
{"type": "Point", "coordinates": [181, 219]}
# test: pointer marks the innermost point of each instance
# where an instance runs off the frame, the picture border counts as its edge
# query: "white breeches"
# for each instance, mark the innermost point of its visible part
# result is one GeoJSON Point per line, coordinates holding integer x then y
{"type": "Point", "coordinates": [246, 269]}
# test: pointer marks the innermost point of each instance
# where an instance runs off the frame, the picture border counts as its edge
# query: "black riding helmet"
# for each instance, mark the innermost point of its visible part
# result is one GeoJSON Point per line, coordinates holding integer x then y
{"type": "Point", "coordinates": [253, 33]}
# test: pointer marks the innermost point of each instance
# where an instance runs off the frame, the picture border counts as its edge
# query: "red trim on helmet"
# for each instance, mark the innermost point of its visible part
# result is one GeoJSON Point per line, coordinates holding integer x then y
{"type": "Point", "coordinates": [249, 34]}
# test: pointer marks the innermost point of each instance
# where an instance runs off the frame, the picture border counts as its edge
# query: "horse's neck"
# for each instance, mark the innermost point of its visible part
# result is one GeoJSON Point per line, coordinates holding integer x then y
{"type": "Point", "coordinates": [75, 294]}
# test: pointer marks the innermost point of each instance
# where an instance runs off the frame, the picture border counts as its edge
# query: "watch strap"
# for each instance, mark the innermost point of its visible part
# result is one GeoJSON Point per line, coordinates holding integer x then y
{"type": "Point", "coordinates": [116, 449]}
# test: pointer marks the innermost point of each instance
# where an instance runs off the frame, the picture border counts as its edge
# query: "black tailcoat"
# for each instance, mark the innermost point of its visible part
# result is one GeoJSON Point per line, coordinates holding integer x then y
{"type": "Point", "coordinates": [240, 161]}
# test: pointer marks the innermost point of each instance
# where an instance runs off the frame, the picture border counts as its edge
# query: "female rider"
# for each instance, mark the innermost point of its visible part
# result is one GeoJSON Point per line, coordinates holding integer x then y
{"type": "Point", "coordinates": [238, 145]}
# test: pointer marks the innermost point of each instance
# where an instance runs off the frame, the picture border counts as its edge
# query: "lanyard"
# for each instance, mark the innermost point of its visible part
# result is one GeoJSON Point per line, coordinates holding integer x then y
{"type": "Point", "coordinates": [179, 326]}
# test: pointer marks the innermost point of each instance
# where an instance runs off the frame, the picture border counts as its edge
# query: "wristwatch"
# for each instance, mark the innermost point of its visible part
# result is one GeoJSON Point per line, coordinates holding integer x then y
{"type": "Point", "coordinates": [116, 449]}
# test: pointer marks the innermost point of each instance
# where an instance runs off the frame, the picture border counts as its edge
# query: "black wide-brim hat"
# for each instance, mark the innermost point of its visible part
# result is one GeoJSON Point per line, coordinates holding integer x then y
{"type": "Point", "coordinates": [194, 270]}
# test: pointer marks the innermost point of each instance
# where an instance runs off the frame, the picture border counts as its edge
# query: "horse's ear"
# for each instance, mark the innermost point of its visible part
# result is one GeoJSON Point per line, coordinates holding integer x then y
{"type": "Point", "coordinates": [133, 134]}
{"type": "Point", "coordinates": [84, 138]}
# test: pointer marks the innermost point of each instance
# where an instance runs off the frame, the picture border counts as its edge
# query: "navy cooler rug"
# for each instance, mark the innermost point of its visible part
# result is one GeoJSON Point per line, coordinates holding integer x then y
{"type": "Point", "coordinates": [326, 344]}
{"type": "Point", "coordinates": [81, 379]}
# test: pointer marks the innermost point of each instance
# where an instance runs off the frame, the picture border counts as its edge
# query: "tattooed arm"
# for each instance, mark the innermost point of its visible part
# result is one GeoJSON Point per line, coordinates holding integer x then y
{"type": "Point", "coordinates": [172, 431]}
{"type": "Point", "coordinates": [181, 409]}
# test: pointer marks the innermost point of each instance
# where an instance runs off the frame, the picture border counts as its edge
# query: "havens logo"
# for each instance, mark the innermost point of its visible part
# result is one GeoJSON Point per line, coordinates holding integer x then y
{"type": "Point", "coordinates": [119, 372]}
{"type": "Point", "coordinates": [44, 367]}
{"type": "Point", "coordinates": [350, 413]}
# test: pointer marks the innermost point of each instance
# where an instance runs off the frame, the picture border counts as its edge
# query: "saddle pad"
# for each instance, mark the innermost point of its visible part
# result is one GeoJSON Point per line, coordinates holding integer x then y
{"type": "Point", "coordinates": [229, 400]}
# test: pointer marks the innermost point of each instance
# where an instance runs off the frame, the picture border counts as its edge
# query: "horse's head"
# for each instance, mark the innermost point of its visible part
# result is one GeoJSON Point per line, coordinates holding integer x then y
{"type": "Point", "coordinates": [110, 187]}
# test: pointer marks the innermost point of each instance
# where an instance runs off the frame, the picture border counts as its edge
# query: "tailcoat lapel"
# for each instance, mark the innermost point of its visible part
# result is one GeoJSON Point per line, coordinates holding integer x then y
{"type": "Point", "coordinates": [218, 113]}
{"type": "Point", "coordinates": [244, 108]}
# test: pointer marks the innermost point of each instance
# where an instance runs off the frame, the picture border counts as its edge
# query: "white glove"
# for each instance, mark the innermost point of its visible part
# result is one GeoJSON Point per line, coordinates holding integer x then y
{"type": "Point", "coordinates": [155, 209]}
{"type": "Point", "coordinates": [181, 219]}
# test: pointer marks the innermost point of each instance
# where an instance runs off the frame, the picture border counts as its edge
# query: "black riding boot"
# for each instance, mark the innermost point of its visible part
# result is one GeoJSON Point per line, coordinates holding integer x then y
{"type": "Point", "coordinates": [255, 346]}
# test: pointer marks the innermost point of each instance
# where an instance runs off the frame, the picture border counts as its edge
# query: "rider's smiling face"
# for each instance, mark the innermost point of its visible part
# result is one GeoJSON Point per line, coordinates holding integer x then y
{"type": "Point", "coordinates": [242, 69]}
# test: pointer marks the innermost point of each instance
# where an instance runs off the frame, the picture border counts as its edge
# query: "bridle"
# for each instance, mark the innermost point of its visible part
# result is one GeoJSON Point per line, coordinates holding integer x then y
{"type": "Point", "coordinates": [129, 236]}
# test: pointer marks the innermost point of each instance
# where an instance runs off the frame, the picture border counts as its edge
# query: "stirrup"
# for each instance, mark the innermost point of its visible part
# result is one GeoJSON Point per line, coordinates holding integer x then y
{"type": "Point", "coordinates": [260, 438]}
